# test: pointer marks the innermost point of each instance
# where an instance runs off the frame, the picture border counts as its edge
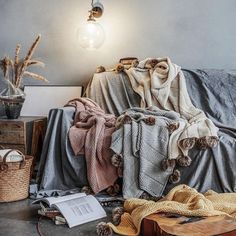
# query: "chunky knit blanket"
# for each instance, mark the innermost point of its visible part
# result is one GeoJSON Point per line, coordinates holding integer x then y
{"type": "Point", "coordinates": [142, 140]}
{"type": "Point", "coordinates": [91, 135]}
{"type": "Point", "coordinates": [161, 83]}
{"type": "Point", "coordinates": [181, 200]}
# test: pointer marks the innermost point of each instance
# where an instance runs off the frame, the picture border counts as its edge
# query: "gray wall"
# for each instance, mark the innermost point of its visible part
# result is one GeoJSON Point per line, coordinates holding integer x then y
{"type": "Point", "coordinates": [194, 33]}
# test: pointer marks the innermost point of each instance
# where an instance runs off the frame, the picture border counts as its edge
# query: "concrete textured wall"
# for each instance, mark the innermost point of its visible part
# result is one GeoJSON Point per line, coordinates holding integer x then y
{"type": "Point", "coordinates": [194, 33]}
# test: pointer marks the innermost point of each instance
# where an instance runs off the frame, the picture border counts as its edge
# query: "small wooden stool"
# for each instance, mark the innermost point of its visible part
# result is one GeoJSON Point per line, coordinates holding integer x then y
{"type": "Point", "coordinates": [169, 225]}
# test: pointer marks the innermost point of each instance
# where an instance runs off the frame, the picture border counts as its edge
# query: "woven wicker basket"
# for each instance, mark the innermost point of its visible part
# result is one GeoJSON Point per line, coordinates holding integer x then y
{"type": "Point", "coordinates": [14, 178]}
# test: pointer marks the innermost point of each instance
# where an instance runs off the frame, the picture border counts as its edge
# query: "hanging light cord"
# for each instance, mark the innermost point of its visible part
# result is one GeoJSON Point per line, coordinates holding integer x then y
{"type": "Point", "coordinates": [93, 2]}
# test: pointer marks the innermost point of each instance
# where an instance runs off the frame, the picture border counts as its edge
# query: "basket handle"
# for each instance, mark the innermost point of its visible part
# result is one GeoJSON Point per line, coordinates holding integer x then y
{"type": "Point", "coordinates": [4, 165]}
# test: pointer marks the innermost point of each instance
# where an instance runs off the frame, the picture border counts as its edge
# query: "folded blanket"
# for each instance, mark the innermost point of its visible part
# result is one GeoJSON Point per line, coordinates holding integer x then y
{"type": "Point", "coordinates": [13, 156]}
{"type": "Point", "coordinates": [91, 135]}
{"type": "Point", "coordinates": [181, 200]}
{"type": "Point", "coordinates": [142, 140]}
{"type": "Point", "coordinates": [161, 83]}
{"type": "Point", "coordinates": [113, 92]}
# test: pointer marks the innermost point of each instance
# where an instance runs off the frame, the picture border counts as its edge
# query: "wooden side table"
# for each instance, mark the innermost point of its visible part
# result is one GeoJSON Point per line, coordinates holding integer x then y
{"type": "Point", "coordinates": [25, 134]}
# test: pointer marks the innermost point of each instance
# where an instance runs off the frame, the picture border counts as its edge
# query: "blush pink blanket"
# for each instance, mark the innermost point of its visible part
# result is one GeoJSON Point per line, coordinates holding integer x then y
{"type": "Point", "coordinates": [91, 135]}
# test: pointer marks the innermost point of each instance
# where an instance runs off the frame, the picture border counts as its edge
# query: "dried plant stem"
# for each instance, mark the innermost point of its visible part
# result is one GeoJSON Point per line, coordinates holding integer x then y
{"type": "Point", "coordinates": [16, 63]}
{"type": "Point", "coordinates": [27, 59]}
{"type": "Point", "coordinates": [35, 76]}
{"type": "Point", "coordinates": [5, 66]}
{"type": "Point", "coordinates": [11, 63]}
{"type": "Point", "coordinates": [14, 71]}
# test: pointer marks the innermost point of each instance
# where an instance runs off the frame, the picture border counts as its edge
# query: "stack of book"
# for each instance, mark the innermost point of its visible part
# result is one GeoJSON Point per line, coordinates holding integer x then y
{"type": "Point", "coordinates": [52, 214]}
{"type": "Point", "coordinates": [74, 209]}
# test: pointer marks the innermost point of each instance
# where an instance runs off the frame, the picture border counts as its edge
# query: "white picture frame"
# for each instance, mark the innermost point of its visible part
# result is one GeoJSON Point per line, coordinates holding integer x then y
{"type": "Point", "coordinates": [40, 99]}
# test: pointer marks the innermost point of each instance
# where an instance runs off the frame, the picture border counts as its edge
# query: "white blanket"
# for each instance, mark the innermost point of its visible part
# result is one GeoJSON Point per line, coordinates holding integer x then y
{"type": "Point", "coordinates": [161, 83]}
{"type": "Point", "coordinates": [13, 156]}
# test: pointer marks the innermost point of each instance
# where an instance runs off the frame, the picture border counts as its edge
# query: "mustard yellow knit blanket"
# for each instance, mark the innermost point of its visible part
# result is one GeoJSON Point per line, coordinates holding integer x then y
{"type": "Point", "coordinates": [182, 200]}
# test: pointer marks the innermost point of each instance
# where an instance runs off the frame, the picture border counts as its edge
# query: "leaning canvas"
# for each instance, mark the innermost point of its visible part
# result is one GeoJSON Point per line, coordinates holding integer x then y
{"type": "Point", "coordinates": [40, 99]}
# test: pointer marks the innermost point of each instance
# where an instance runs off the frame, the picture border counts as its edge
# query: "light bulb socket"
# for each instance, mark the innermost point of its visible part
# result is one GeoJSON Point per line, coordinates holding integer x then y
{"type": "Point", "coordinates": [97, 9]}
{"type": "Point", "coordinates": [91, 16]}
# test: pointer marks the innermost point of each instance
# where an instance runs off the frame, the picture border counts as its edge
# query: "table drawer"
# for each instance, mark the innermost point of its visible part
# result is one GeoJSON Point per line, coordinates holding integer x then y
{"type": "Point", "coordinates": [13, 126]}
{"type": "Point", "coordinates": [12, 132]}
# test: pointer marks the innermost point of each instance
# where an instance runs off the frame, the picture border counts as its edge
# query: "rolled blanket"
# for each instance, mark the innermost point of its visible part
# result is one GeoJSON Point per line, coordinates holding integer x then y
{"type": "Point", "coordinates": [181, 200]}
{"type": "Point", "coordinates": [161, 83]}
{"type": "Point", "coordinates": [91, 135]}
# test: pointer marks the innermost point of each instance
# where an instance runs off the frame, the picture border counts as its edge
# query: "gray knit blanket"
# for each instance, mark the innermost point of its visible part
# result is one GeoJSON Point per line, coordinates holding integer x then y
{"type": "Point", "coordinates": [142, 140]}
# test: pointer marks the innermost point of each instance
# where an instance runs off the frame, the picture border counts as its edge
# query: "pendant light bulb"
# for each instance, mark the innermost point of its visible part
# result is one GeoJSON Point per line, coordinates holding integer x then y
{"type": "Point", "coordinates": [92, 35]}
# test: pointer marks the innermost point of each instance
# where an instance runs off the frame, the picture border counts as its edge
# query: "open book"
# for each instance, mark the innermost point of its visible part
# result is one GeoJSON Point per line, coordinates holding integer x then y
{"type": "Point", "coordinates": [77, 208]}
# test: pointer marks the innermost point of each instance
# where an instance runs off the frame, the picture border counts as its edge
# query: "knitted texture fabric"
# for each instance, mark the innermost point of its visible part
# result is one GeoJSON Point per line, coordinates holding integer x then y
{"type": "Point", "coordinates": [161, 83]}
{"type": "Point", "coordinates": [142, 140]}
{"type": "Point", "coordinates": [181, 200]}
{"type": "Point", "coordinates": [91, 135]}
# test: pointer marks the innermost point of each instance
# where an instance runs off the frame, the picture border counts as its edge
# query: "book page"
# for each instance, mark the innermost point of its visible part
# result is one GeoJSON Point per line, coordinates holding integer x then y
{"type": "Point", "coordinates": [53, 200]}
{"type": "Point", "coordinates": [81, 210]}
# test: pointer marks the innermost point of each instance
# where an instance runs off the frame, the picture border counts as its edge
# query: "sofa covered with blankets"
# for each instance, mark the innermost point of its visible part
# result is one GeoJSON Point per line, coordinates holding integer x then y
{"type": "Point", "coordinates": [136, 119]}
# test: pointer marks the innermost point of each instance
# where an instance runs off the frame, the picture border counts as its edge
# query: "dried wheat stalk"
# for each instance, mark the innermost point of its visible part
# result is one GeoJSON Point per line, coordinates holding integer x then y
{"type": "Point", "coordinates": [18, 66]}
{"type": "Point", "coordinates": [35, 76]}
{"type": "Point", "coordinates": [16, 63]}
{"type": "Point", "coordinates": [7, 66]}
{"type": "Point", "coordinates": [27, 59]}
{"type": "Point", "coordinates": [11, 65]}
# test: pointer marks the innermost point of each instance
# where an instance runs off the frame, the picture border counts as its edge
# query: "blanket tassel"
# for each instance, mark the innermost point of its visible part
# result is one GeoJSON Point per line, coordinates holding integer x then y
{"type": "Point", "coordinates": [184, 161]}
{"type": "Point", "coordinates": [116, 215]}
{"type": "Point", "coordinates": [168, 164]}
{"type": "Point", "coordinates": [103, 229]}
{"type": "Point", "coordinates": [175, 177]}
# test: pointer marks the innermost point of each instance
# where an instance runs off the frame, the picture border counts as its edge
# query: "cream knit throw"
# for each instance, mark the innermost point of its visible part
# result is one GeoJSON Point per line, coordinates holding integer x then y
{"type": "Point", "coordinates": [181, 200]}
{"type": "Point", "coordinates": [161, 83]}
